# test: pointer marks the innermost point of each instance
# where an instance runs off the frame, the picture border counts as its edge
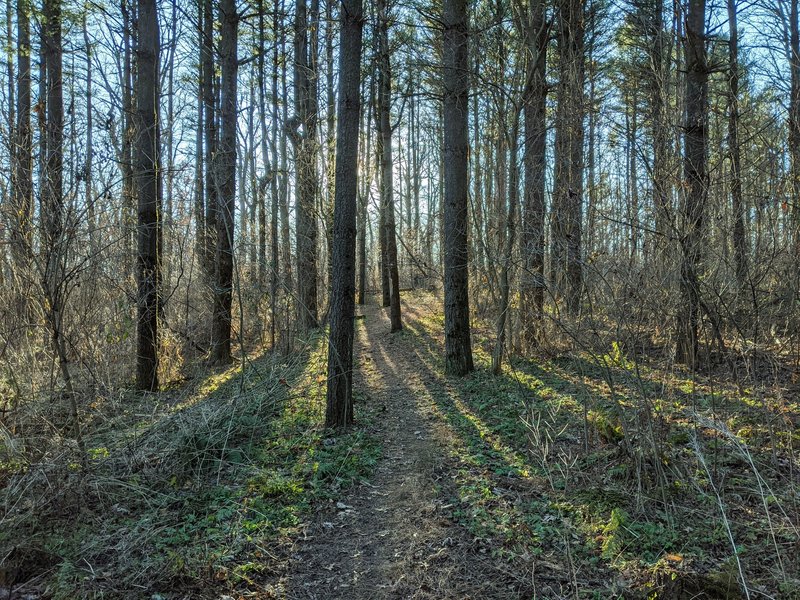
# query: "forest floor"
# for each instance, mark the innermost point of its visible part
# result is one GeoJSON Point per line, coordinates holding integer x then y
{"type": "Point", "coordinates": [393, 536]}
{"type": "Point", "coordinates": [574, 475]}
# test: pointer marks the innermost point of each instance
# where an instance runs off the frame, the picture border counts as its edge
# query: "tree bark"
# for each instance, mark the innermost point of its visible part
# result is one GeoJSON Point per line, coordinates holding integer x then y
{"type": "Point", "coordinates": [737, 204]}
{"type": "Point", "coordinates": [148, 192]}
{"type": "Point", "coordinates": [458, 347]}
{"type": "Point", "coordinates": [22, 233]}
{"type": "Point", "coordinates": [339, 412]}
{"type": "Point", "coordinates": [384, 147]}
{"type": "Point", "coordinates": [303, 135]}
{"type": "Point", "coordinates": [210, 133]}
{"type": "Point", "coordinates": [225, 179]}
{"type": "Point", "coordinates": [567, 269]}
{"type": "Point", "coordinates": [696, 177]}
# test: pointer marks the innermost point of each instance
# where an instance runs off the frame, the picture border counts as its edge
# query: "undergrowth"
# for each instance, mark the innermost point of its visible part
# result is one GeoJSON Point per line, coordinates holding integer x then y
{"type": "Point", "coordinates": [200, 488]}
{"type": "Point", "coordinates": [617, 479]}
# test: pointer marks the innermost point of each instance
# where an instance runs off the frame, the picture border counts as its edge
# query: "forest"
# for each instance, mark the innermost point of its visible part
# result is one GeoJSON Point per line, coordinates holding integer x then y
{"type": "Point", "coordinates": [438, 299]}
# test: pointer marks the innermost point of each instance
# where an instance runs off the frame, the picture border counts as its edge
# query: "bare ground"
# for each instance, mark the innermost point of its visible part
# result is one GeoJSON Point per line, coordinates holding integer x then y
{"type": "Point", "coordinates": [392, 537]}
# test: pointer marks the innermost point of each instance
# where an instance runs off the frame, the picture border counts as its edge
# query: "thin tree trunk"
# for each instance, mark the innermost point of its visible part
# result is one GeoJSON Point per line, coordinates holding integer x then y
{"type": "Point", "coordinates": [505, 267]}
{"type": "Point", "coordinates": [210, 122]}
{"type": "Point", "coordinates": [199, 170]}
{"type": "Point", "coordinates": [54, 237]}
{"type": "Point", "coordinates": [737, 205]}
{"type": "Point", "coordinates": [339, 412]}
{"type": "Point", "coordinates": [22, 233]}
{"type": "Point", "coordinates": [386, 165]}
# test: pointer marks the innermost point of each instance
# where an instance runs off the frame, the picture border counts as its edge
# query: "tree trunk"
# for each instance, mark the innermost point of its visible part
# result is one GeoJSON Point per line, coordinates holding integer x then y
{"type": "Point", "coordinates": [737, 205]}
{"type": "Point", "coordinates": [22, 232]}
{"type": "Point", "coordinates": [458, 347]}
{"type": "Point", "coordinates": [696, 176]}
{"type": "Point", "coordinates": [225, 176]}
{"type": "Point", "coordinates": [794, 117]}
{"type": "Point", "coordinates": [505, 267]}
{"type": "Point", "coordinates": [199, 168]}
{"type": "Point", "coordinates": [339, 411]}
{"type": "Point", "coordinates": [210, 122]}
{"type": "Point", "coordinates": [54, 236]}
{"type": "Point", "coordinates": [364, 198]}
{"type": "Point", "coordinates": [148, 192]}
{"type": "Point", "coordinates": [387, 165]}
{"type": "Point", "coordinates": [126, 162]}
{"type": "Point", "coordinates": [568, 185]}
{"type": "Point", "coordinates": [303, 136]}
{"type": "Point", "coordinates": [534, 99]}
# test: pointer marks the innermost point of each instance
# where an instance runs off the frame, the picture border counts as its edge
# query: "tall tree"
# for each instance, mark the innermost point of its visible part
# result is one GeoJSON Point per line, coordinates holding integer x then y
{"type": "Point", "coordinates": [147, 175]}
{"type": "Point", "coordinates": [455, 58]}
{"type": "Point", "coordinates": [339, 411]}
{"type": "Point", "coordinates": [22, 169]}
{"type": "Point", "coordinates": [739, 234]}
{"type": "Point", "coordinates": [225, 179]}
{"type": "Point", "coordinates": [695, 173]}
{"type": "Point", "coordinates": [210, 134]}
{"type": "Point", "coordinates": [303, 133]}
{"type": "Point", "coordinates": [531, 20]}
{"type": "Point", "coordinates": [794, 114]}
{"type": "Point", "coordinates": [567, 269]}
{"type": "Point", "coordinates": [385, 158]}
{"type": "Point", "coordinates": [55, 235]}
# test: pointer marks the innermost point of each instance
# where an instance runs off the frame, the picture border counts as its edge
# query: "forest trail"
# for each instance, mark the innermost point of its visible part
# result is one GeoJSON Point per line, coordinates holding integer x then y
{"type": "Point", "coordinates": [392, 537]}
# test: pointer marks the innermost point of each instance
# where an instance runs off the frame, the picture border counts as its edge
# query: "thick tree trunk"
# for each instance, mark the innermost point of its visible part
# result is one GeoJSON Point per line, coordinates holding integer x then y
{"type": "Point", "coordinates": [696, 177]}
{"type": "Point", "coordinates": [148, 192]}
{"type": "Point", "coordinates": [532, 284]}
{"type": "Point", "coordinates": [303, 136]}
{"type": "Point", "coordinates": [225, 179]}
{"type": "Point", "coordinates": [339, 411]}
{"type": "Point", "coordinates": [384, 147]}
{"type": "Point", "coordinates": [567, 269]}
{"type": "Point", "coordinates": [458, 347]}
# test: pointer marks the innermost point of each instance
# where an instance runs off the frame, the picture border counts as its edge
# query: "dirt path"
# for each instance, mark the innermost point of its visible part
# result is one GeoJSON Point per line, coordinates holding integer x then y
{"type": "Point", "coordinates": [391, 537]}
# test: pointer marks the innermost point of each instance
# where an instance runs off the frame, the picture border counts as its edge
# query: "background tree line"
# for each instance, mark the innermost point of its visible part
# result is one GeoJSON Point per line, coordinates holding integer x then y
{"type": "Point", "coordinates": [588, 171]}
